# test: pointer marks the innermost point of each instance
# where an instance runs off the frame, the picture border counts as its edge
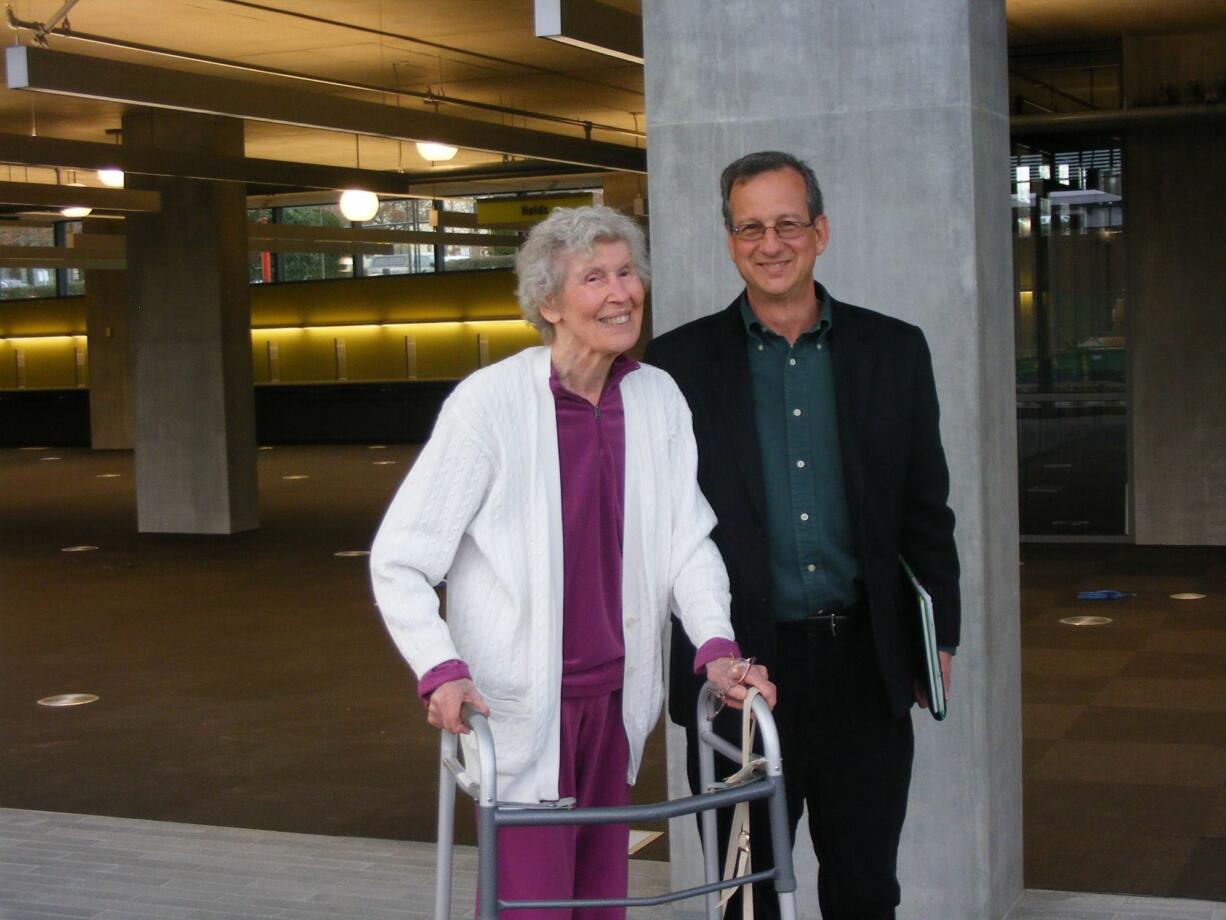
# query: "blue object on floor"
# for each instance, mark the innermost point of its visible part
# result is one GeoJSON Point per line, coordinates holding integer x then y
{"type": "Point", "coordinates": [1104, 594]}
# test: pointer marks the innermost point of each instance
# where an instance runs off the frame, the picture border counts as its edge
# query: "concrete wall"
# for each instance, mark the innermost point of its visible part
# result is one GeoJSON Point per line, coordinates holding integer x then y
{"type": "Point", "coordinates": [1177, 296]}
{"type": "Point", "coordinates": [902, 110]}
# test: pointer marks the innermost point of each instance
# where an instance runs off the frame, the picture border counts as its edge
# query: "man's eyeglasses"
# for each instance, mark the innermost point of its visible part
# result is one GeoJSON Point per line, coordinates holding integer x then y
{"type": "Point", "coordinates": [784, 229]}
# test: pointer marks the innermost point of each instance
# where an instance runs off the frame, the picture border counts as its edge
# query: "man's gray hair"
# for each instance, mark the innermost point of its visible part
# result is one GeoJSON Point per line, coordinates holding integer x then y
{"type": "Point", "coordinates": [754, 164]}
{"type": "Point", "coordinates": [541, 263]}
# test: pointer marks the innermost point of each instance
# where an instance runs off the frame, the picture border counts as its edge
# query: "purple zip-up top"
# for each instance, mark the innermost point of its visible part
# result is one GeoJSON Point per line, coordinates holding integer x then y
{"type": "Point", "coordinates": [592, 466]}
{"type": "Point", "coordinates": [592, 469]}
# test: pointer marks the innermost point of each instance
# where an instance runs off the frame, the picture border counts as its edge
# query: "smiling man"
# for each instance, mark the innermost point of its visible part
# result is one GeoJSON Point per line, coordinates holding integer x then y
{"type": "Point", "coordinates": [820, 452]}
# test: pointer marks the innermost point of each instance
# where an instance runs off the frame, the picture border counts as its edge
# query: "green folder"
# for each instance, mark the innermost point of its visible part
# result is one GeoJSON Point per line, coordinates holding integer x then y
{"type": "Point", "coordinates": [932, 654]}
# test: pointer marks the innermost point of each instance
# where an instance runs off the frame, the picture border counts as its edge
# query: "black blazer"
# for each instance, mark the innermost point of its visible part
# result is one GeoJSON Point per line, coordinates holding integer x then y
{"type": "Point", "coordinates": [894, 473]}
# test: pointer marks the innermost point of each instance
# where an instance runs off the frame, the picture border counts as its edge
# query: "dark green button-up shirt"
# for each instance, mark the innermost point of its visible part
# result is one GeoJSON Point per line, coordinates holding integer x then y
{"type": "Point", "coordinates": [813, 563]}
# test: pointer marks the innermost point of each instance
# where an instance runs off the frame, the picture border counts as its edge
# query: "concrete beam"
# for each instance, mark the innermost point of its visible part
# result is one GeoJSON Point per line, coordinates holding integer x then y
{"type": "Point", "coordinates": [57, 257]}
{"type": "Point", "coordinates": [44, 195]}
{"type": "Point", "coordinates": [592, 26]}
{"type": "Point", "coordinates": [58, 73]}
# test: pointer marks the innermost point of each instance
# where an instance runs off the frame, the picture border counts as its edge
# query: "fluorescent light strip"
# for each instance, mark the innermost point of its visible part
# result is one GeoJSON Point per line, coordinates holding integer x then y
{"type": "Point", "coordinates": [390, 325]}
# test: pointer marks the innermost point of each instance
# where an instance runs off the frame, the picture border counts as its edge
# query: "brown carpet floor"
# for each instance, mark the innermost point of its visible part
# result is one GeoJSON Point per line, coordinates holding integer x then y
{"type": "Point", "coordinates": [1124, 724]}
{"type": "Point", "coordinates": [247, 681]}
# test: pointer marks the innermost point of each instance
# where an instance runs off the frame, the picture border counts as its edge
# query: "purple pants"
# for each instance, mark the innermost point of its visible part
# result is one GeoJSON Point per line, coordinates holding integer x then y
{"type": "Point", "coordinates": [573, 861]}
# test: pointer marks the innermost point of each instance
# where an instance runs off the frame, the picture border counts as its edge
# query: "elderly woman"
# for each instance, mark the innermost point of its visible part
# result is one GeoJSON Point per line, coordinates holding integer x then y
{"type": "Point", "coordinates": [557, 494]}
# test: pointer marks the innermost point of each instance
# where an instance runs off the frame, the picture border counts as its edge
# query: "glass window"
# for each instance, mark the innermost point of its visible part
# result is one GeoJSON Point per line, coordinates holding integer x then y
{"type": "Point", "coordinates": [312, 266]}
{"type": "Point", "coordinates": [23, 283]}
{"type": "Point", "coordinates": [466, 258]}
{"type": "Point", "coordinates": [1071, 335]}
{"type": "Point", "coordinates": [260, 265]}
{"type": "Point", "coordinates": [405, 258]}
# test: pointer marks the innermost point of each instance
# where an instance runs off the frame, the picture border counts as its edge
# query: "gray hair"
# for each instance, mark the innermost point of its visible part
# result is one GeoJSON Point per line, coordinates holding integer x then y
{"type": "Point", "coordinates": [566, 231]}
{"type": "Point", "coordinates": [753, 164]}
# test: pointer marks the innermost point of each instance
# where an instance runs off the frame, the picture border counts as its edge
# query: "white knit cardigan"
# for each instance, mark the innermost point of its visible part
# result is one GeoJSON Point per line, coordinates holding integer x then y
{"type": "Point", "coordinates": [482, 507]}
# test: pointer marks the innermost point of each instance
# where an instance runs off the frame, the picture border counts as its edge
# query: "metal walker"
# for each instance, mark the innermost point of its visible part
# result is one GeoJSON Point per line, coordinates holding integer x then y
{"type": "Point", "coordinates": [763, 782]}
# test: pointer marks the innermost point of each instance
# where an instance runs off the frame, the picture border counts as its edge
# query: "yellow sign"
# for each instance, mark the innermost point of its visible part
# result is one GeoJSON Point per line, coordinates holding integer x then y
{"type": "Point", "coordinates": [495, 212]}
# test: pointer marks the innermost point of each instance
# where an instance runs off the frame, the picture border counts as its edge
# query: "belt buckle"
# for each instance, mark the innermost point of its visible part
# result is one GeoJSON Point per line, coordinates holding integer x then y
{"type": "Point", "coordinates": [834, 628]}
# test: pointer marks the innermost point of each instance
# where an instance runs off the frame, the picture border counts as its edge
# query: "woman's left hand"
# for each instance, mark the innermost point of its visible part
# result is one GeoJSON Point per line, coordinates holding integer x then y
{"type": "Point", "coordinates": [733, 676]}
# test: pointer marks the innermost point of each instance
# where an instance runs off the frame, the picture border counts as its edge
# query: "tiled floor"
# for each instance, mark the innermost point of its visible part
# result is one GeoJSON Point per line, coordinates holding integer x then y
{"type": "Point", "coordinates": [1124, 725]}
{"type": "Point", "coordinates": [57, 866]}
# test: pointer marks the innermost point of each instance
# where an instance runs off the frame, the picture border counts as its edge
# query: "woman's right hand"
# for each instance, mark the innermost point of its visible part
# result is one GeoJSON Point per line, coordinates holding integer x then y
{"type": "Point", "coordinates": [443, 710]}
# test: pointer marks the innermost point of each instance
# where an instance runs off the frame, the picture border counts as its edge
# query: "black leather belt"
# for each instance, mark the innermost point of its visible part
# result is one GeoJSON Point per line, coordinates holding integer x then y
{"type": "Point", "coordinates": [833, 621]}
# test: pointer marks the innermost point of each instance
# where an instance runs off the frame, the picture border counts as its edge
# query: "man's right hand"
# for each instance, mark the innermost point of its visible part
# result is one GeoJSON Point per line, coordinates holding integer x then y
{"type": "Point", "coordinates": [443, 710]}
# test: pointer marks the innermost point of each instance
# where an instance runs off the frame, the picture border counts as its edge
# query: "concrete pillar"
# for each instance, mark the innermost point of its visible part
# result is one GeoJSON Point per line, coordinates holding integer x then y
{"type": "Point", "coordinates": [902, 110]}
{"type": "Point", "coordinates": [628, 193]}
{"type": "Point", "coordinates": [193, 406]}
{"type": "Point", "coordinates": [1177, 298]}
{"type": "Point", "coordinates": [106, 325]}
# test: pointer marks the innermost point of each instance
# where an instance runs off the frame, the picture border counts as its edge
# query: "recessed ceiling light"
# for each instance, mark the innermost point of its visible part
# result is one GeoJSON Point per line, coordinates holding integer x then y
{"type": "Point", "coordinates": [83, 548]}
{"type": "Point", "coordinates": [50, 458]}
{"type": "Point", "coordinates": [1187, 596]}
{"type": "Point", "coordinates": [1086, 621]}
{"type": "Point", "coordinates": [296, 476]}
{"type": "Point", "coordinates": [266, 447]}
{"type": "Point", "coordinates": [348, 553]}
{"type": "Point", "coordinates": [107, 476]}
{"type": "Point", "coordinates": [377, 447]}
{"type": "Point", "coordinates": [69, 699]}
{"type": "Point", "coordinates": [34, 448]}
{"type": "Point", "coordinates": [383, 463]}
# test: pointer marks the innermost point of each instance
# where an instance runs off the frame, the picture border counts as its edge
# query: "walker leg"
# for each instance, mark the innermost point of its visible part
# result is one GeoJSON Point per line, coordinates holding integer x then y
{"type": "Point", "coordinates": [487, 863]}
{"type": "Point", "coordinates": [446, 834]}
{"type": "Point", "coordinates": [710, 847]}
{"type": "Point", "coordinates": [781, 847]}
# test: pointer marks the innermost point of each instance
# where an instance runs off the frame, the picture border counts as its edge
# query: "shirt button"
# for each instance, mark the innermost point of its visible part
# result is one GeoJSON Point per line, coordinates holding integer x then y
{"type": "Point", "coordinates": [800, 464]}
{"type": "Point", "coordinates": [792, 361]}
{"type": "Point", "coordinates": [812, 567]}
{"type": "Point", "coordinates": [796, 412]}
{"type": "Point", "coordinates": [804, 515]}
{"type": "Point", "coordinates": [819, 348]}
{"type": "Point", "coordinates": [760, 347]}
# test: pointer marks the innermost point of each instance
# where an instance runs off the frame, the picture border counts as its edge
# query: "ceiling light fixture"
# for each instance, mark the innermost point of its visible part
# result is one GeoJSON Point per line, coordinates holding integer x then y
{"type": "Point", "coordinates": [358, 205]}
{"type": "Point", "coordinates": [111, 178]}
{"type": "Point", "coordinates": [436, 152]}
{"type": "Point", "coordinates": [76, 213]}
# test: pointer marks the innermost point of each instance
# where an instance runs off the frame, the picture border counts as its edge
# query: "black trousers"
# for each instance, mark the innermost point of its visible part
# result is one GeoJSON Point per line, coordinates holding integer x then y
{"type": "Point", "coordinates": [845, 756]}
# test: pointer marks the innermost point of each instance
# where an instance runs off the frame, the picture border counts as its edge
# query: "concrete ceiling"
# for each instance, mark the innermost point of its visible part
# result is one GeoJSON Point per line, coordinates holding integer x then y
{"type": "Point", "coordinates": [483, 51]}
{"type": "Point", "coordinates": [1067, 21]}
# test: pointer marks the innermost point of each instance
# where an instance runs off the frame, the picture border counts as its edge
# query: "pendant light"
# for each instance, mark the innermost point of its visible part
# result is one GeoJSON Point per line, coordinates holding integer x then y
{"type": "Point", "coordinates": [359, 205]}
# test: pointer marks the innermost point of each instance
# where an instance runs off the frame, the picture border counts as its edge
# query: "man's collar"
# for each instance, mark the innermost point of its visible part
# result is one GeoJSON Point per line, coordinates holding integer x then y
{"type": "Point", "coordinates": [755, 326]}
